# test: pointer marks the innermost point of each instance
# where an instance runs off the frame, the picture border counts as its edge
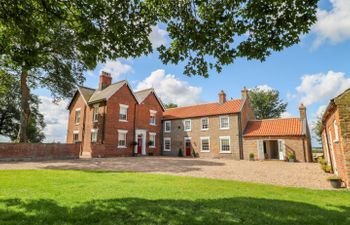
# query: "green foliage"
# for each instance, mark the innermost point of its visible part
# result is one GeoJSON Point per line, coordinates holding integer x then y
{"type": "Point", "coordinates": [10, 94]}
{"type": "Point", "coordinates": [326, 168]}
{"type": "Point", "coordinates": [180, 153]}
{"type": "Point", "coordinates": [317, 129]}
{"type": "Point", "coordinates": [333, 177]}
{"type": "Point", "coordinates": [170, 105]}
{"type": "Point", "coordinates": [208, 34]}
{"type": "Point", "coordinates": [266, 103]}
{"type": "Point", "coordinates": [291, 155]}
{"type": "Point", "coordinates": [251, 155]}
{"type": "Point", "coordinates": [43, 197]}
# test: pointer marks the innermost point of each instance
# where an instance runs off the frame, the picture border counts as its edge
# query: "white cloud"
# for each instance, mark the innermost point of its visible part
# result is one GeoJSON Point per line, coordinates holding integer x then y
{"type": "Point", "coordinates": [171, 89]}
{"type": "Point", "coordinates": [264, 87]}
{"type": "Point", "coordinates": [317, 87]}
{"type": "Point", "coordinates": [333, 25]}
{"type": "Point", "coordinates": [286, 115]}
{"type": "Point", "coordinates": [116, 68]}
{"type": "Point", "coordinates": [158, 36]}
{"type": "Point", "coordinates": [56, 118]}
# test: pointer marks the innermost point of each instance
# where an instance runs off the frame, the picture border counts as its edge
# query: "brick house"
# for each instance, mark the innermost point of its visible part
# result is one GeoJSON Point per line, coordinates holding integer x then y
{"type": "Point", "coordinates": [109, 121]}
{"type": "Point", "coordinates": [336, 135]}
{"type": "Point", "coordinates": [229, 129]}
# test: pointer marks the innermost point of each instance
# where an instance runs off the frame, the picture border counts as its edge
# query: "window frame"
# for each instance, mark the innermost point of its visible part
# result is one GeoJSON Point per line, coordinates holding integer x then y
{"type": "Point", "coordinates": [167, 139]}
{"type": "Point", "coordinates": [95, 113]}
{"type": "Point", "coordinates": [184, 124]}
{"type": "Point", "coordinates": [229, 142]}
{"type": "Point", "coordinates": [153, 113]}
{"type": "Point", "coordinates": [207, 118]}
{"type": "Point", "coordinates": [94, 131]}
{"type": "Point", "coordinates": [124, 132]}
{"type": "Point", "coordinates": [336, 133]}
{"type": "Point", "coordinates": [125, 107]}
{"type": "Point", "coordinates": [165, 130]}
{"type": "Point", "coordinates": [75, 119]}
{"type": "Point", "coordinates": [75, 132]}
{"type": "Point", "coordinates": [228, 123]}
{"type": "Point", "coordinates": [152, 134]}
{"type": "Point", "coordinates": [205, 138]}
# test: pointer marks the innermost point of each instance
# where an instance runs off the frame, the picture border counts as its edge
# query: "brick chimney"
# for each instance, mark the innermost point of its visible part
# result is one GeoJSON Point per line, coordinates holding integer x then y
{"type": "Point", "coordinates": [302, 110]}
{"type": "Point", "coordinates": [105, 80]}
{"type": "Point", "coordinates": [222, 97]}
{"type": "Point", "coordinates": [245, 93]}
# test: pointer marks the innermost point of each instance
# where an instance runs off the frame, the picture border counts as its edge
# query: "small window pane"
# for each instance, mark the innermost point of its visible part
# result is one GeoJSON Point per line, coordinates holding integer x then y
{"type": "Point", "coordinates": [121, 139]}
{"type": "Point", "coordinates": [205, 124]}
{"type": "Point", "coordinates": [167, 126]}
{"type": "Point", "coordinates": [95, 114]}
{"type": "Point", "coordinates": [205, 144]}
{"type": "Point", "coordinates": [225, 144]}
{"type": "Point", "coordinates": [77, 116]}
{"type": "Point", "coordinates": [224, 122]}
{"type": "Point", "coordinates": [187, 125]}
{"type": "Point", "coordinates": [75, 137]}
{"type": "Point", "coordinates": [123, 113]}
{"type": "Point", "coordinates": [94, 136]}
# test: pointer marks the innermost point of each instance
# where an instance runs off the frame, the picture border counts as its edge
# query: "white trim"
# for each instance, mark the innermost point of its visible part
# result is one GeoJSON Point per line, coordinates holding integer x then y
{"type": "Point", "coordinates": [75, 131]}
{"type": "Point", "coordinates": [77, 109]}
{"type": "Point", "coordinates": [94, 130]}
{"type": "Point", "coordinates": [123, 106]}
{"type": "Point", "coordinates": [229, 142]}
{"type": "Point", "coordinates": [336, 133]}
{"type": "Point", "coordinates": [126, 138]}
{"type": "Point", "coordinates": [228, 122]}
{"type": "Point", "coordinates": [75, 116]}
{"type": "Point", "coordinates": [335, 169]}
{"type": "Point", "coordinates": [123, 131]}
{"type": "Point", "coordinates": [143, 133]}
{"type": "Point", "coordinates": [202, 123]}
{"type": "Point", "coordinates": [167, 131]}
{"type": "Point", "coordinates": [164, 139]}
{"type": "Point", "coordinates": [154, 142]}
{"type": "Point", "coordinates": [205, 138]}
{"type": "Point", "coordinates": [151, 111]}
{"type": "Point", "coordinates": [185, 139]}
{"type": "Point", "coordinates": [96, 106]}
{"type": "Point", "coordinates": [184, 124]}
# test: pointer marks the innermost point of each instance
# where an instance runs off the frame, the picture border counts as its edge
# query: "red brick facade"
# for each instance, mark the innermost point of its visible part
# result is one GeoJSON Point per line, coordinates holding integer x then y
{"type": "Point", "coordinates": [108, 125]}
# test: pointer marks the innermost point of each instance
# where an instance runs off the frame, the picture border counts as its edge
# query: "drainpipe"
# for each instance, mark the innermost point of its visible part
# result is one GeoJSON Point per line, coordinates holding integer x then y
{"type": "Point", "coordinates": [104, 123]}
{"type": "Point", "coordinates": [83, 132]}
{"type": "Point", "coordinates": [134, 128]}
{"type": "Point", "coordinates": [240, 136]}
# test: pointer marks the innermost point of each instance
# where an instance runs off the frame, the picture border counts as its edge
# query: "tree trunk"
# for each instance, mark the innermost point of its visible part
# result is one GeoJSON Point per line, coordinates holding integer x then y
{"type": "Point", "coordinates": [25, 110]}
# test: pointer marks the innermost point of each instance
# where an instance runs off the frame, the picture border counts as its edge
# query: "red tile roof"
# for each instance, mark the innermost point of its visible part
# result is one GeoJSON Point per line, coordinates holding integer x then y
{"type": "Point", "coordinates": [208, 109]}
{"type": "Point", "coordinates": [274, 127]}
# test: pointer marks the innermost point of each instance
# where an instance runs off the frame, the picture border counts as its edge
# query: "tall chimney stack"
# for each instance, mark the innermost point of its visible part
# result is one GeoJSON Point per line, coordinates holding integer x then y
{"type": "Point", "coordinates": [105, 80]}
{"type": "Point", "coordinates": [222, 97]}
{"type": "Point", "coordinates": [244, 93]}
{"type": "Point", "coordinates": [302, 110]}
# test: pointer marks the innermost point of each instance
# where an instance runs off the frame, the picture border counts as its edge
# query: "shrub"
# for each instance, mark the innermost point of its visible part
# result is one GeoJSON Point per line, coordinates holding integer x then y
{"type": "Point", "coordinates": [251, 155]}
{"type": "Point", "coordinates": [180, 153]}
{"type": "Point", "coordinates": [326, 168]}
{"type": "Point", "coordinates": [193, 153]}
{"type": "Point", "coordinates": [291, 155]}
{"type": "Point", "coordinates": [322, 161]}
{"type": "Point", "coordinates": [150, 143]}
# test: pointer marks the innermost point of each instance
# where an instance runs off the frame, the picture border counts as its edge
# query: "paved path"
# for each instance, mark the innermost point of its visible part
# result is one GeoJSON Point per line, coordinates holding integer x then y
{"type": "Point", "coordinates": [307, 175]}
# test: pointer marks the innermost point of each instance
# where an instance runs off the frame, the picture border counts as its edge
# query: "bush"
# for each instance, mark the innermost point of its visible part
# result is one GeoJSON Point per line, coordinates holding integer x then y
{"type": "Point", "coordinates": [326, 168]}
{"type": "Point", "coordinates": [180, 153]}
{"type": "Point", "coordinates": [193, 153]}
{"type": "Point", "coordinates": [150, 143]}
{"type": "Point", "coordinates": [251, 155]}
{"type": "Point", "coordinates": [291, 155]}
{"type": "Point", "coordinates": [322, 161]}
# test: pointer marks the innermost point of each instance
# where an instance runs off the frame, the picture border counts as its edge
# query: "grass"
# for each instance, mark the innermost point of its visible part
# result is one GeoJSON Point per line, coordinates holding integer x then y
{"type": "Point", "coordinates": [60, 197]}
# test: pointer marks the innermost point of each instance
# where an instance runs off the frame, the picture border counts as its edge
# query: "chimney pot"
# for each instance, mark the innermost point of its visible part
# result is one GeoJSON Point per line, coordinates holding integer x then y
{"type": "Point", "coordinates": [244, 93]}
{"type": "Point", "coordinates": [105, 80]}
{"type": "Point", "coordinates": [302, 110]}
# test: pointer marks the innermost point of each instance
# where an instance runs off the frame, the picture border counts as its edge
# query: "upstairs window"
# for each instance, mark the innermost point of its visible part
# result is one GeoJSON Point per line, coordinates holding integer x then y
{"type": "Point", "coordinates": [167, 126]}
{"type": "Point", "coordinates": [153, 120]}
{"type": "Point", "coordinates": [205, 123]}
{"type": "Point", "coordinates": [123, 112]}
{"type": "Point", "coordinates": [187, 125]}
{"type": "Point", "coordinates": [77, 116]}
{"type": "Point", "coordinates": [94, 133]}
{"type": "Point", "coordinates": [224, 122]}
{"type": "Point", "coordinates": [122, 138]}
{"type": "Point", "coordinates": [95, 113]}
{"type": "Point", "coordinates": [336, 134]}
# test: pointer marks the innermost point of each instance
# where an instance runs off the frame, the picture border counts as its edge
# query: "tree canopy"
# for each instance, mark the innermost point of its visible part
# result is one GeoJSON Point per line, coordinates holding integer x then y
{"type": "Point", "coordinates": [50, 43]}
{"type": "Point", "coordinates": [317, 128]}
{"type": "Point", "coordinates": [266, 103]}
{"type": "Point", "coordinates": [170, 105]}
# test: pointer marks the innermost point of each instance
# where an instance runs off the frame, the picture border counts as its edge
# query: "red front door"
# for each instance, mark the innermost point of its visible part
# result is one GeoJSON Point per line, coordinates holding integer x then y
{"type": "Point", "coordinates": [188, 147]}
{"type": "Point", "coordinates": [139, 144]}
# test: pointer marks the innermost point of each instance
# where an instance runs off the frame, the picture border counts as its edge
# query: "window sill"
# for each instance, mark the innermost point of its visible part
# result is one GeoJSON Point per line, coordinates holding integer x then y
{"type": "Point", "coordinates": [152, 146]}
{"type": "Point", "coordinates": [225, 152]}
{"type": "Point", "coordinates": [204, 129]}
{"type": "Point", "coordinates": [205, 151]}
{"type": "Point", "coordinates": [166, 150]}
{"type": "Point", "coordinates": [224, 128]}
{"type": "Point", "coordinates": [121, 147]}
{"type": "Point", "coordinates": [336, 141]}
{"type": "Point", "coordinates": [187, 130]}
{"type": "Point", "coordinates": [167, 131]}
{"type": "Point", "coordinates": [123, 121]}
{"type": "Point", "coordinates": [153, 124]}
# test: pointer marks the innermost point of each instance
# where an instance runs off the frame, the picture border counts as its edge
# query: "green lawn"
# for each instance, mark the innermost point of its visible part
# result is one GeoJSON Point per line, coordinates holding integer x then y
{"type": "Point", "coordinates": [48, 197]}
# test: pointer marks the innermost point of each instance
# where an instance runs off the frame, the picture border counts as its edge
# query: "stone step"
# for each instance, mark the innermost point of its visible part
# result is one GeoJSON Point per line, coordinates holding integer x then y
{"type": "Point", "coordinates": [85, 155]}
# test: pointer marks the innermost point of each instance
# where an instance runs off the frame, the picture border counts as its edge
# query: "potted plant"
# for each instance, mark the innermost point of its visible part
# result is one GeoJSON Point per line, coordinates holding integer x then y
{"type": "Point", "coordinates": [335, 181]}
{"type": "Point", "coordinates": [251, 156]}
{"type": "Point", "coordinates": [180, 153]}
{"type": "Point", "coordinates": [193, 152]}
{"type": "Point", "coordinates": [134, 143]}
{"type": "Point", "coordinates": [291, 157]}
{"type": "Point", "coordinates": [150, 143]}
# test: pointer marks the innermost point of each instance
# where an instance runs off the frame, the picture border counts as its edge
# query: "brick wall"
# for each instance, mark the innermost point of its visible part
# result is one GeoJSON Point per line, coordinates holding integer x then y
{"type": "Point", "coordinates": [292, 144]}
{"type": "Point", "coordinates": [78, 103]}
{"type": "Point", "coordinates": [214, 132]}
{"type": "Point", "coordinates": [25, 151]}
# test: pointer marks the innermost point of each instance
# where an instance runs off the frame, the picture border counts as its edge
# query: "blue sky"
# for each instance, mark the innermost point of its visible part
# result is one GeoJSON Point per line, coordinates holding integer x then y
{"type": "Point", "coordinates": [311, 72]}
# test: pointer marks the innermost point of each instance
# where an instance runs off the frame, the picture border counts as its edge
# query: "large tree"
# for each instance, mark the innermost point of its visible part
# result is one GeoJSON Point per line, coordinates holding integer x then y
{"type": "Point", "coordinates": [10, 95]}
{"type": "Point", "coordinates": [317, 128]}
{"type": "Point", "coordinates": [49, 43]}
{"type": "Point", "coordinates": [266, 103]}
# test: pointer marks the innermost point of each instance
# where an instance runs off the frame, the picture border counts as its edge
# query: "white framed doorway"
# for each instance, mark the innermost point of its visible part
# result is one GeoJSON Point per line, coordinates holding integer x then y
{"type": "Point", "coordinates": [140, 138]}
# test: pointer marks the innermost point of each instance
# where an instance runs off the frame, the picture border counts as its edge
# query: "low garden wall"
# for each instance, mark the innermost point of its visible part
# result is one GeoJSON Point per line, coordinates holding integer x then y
{"type": "Point", "coordinates": [38, 151]}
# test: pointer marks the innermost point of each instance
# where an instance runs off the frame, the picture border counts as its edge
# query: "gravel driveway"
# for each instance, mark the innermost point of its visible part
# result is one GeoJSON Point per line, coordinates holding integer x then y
{"type": "Point", "coordinates": [308, 175]}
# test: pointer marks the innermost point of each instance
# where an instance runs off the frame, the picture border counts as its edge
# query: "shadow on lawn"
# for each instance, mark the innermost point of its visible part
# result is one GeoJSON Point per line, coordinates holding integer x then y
{"type": "Point", "coordinates": [142, 211]}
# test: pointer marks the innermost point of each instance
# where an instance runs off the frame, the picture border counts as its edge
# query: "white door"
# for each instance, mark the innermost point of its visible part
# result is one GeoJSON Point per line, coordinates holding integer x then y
{"type": "Point", "coordinates": [260, 144]}
{"type": "Point", "coordinates": [332, 153]}
{"type": "Point", "coordinates": [281, 149]}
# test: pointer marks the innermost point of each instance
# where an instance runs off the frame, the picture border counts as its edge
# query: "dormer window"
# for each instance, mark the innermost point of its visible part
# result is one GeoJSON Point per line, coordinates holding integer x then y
{"type": "Point", "coordinates": [77, 116]}
{"type": "Point", "coordinates": [95, 113]}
